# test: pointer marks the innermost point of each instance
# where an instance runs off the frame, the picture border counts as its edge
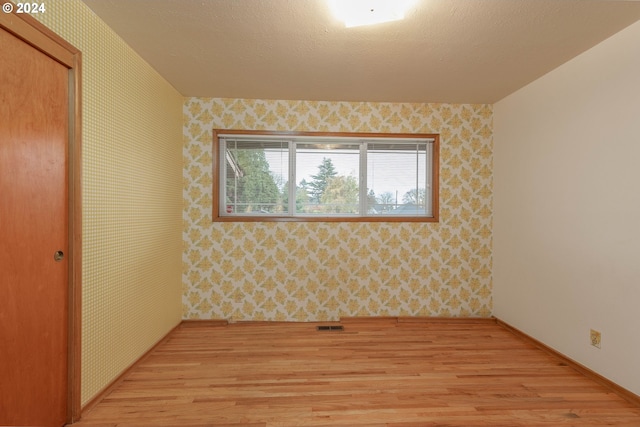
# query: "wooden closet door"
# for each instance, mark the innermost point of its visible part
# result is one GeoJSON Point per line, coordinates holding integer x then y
{"type": "Point", "coordinates": [34, 236]}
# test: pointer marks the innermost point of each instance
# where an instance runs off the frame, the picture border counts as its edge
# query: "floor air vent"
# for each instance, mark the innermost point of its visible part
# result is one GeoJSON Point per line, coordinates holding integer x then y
{"type": "Point", "coordinates": [330, 328]}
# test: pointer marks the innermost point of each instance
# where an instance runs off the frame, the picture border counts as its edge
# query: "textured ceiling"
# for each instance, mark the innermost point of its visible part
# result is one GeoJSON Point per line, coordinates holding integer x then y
{"type": "Point", "coordinates": [455, 51]}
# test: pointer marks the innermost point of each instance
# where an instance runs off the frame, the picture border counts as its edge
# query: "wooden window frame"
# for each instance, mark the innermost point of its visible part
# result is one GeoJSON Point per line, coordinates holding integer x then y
{"type": "Point", "coordinates": [435, 168]}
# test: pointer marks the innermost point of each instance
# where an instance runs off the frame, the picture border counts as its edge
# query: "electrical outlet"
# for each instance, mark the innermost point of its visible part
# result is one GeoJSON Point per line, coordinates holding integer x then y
{"type": "Point", "coordinates": [595, 338]}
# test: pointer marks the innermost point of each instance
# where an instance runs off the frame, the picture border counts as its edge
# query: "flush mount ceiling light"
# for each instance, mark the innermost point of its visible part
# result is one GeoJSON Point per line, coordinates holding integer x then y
{"type": "Point", "coordinates": [356, 13]}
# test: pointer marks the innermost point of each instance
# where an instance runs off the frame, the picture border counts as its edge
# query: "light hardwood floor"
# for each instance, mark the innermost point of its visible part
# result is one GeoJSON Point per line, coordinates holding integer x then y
{"type": "Point", "coordinates": [374, 373]}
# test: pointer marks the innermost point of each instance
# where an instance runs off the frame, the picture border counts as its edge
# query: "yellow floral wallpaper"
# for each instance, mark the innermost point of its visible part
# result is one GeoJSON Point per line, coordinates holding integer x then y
{"type": "Point", "coordinates": [323, 271]}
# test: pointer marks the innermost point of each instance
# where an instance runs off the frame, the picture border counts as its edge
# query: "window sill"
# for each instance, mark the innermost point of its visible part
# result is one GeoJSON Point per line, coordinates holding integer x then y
{"type": "Point", "coordinates": [241, 218]}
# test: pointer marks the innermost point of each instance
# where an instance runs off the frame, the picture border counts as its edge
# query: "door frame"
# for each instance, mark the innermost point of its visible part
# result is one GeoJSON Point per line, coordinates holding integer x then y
{"type": "Point", "coordinates": [34, 33]}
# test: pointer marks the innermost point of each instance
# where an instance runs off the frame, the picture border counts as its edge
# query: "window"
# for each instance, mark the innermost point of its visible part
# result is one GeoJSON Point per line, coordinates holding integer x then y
{"type": "Point", "coordinates": [271, 176]}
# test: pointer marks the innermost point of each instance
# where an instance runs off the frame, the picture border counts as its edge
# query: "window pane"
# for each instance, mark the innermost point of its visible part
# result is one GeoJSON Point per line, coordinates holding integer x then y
{"type": "Point", "coordinates": [397, 179]}
{"type": "Point", "coordinates": [327, 178]}
{"type": "Point", "coordinates": [256, 177]}
{"type": "Point", "coordinates": [271, 176]}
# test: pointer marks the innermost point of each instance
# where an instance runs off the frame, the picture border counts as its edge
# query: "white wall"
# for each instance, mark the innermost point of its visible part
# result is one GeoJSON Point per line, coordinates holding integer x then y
{"type": "Point", "coordinates": [567, 208]}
